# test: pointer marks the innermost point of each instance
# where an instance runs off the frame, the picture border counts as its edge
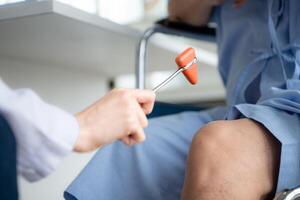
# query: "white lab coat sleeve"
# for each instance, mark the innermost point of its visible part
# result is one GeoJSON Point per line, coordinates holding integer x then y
{"type": "Point", "coordinates": [44, 133]}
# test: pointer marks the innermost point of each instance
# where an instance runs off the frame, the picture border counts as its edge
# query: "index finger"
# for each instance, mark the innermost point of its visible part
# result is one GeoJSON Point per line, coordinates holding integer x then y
{"type": "Point", "coordinates": [146, 99]}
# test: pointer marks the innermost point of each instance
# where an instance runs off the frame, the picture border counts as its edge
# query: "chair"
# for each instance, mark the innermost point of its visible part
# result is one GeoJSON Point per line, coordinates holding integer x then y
{"type": "Point", "coordinates": [170, 28]}
{"type": "Point", "coordinates": [207, 33]}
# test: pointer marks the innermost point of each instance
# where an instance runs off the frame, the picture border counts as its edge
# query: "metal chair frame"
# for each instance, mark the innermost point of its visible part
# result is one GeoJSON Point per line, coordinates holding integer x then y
{"type": "Point", "coordinates": [203, 33]}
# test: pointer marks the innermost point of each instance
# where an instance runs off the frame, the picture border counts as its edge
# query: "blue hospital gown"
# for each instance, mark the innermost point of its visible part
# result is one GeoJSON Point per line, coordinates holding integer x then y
{"type": "Point", "coordinates": [259, 50]}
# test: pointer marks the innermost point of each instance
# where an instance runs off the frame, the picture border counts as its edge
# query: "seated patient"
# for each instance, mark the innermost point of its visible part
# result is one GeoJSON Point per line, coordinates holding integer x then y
{"type": "Point", "coordinates": [247, 150]}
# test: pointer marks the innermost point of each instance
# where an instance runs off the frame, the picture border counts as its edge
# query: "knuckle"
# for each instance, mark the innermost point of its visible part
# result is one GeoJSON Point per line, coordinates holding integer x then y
{"type": "Point", "coordinates": [145, 123]}
{"type": "Point", "coordinates": [128, 113]}
{"type": "Point", "coordinates": [117, 91]}
{"type": "Point", "coordinates": [142, 138]}
{"type": "Point", "coordinates": [133, 126]}
{"type": "Point", "coordinates": [148, 109]}
{"type": "Point", "coordinates": [127, 130]}
{"type": "Point", "coordinates": [131, 122]}
{"type": "Point", "coordinates": [126, 101]}
{"type": "Point", "coordinates": [122, 93]}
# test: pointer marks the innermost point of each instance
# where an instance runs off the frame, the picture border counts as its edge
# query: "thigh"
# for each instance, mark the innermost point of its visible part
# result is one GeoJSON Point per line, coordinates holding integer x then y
{"type": "Point", "coordinates": [152, 170]}
{"type": "Point", "coordinates": [241, 155]}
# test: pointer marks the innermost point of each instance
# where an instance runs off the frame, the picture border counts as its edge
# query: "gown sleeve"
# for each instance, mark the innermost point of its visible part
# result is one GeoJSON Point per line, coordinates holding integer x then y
{"type": "Point", "coordinates": [44, 133]}
{"type": "Point", "coordinates": [287, 99]}
{"type": "Point", "coordinates": [278, 110]}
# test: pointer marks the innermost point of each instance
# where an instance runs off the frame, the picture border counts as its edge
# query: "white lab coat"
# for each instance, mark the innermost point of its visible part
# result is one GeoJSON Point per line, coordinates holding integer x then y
{"type": "Point", "coordinates": [44, 133]}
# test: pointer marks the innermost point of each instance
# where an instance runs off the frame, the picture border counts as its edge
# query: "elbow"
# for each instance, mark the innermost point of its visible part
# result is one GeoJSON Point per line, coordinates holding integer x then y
{"type": "Point", "coordinates": [178, 13]}
{"type": "Point", "coordinates": [192, 14]}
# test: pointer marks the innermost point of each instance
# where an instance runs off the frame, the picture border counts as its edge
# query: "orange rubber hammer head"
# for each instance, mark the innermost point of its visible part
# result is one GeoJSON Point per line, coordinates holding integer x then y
{"type": "Point", "coordinates": [185, 58]}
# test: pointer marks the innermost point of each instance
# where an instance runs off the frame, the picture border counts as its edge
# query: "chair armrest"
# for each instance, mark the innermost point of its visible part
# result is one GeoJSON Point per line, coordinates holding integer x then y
{"type": "Point", "coordinates": [207, 32]}
{"type": "Point", "coordinates": [289, 195]}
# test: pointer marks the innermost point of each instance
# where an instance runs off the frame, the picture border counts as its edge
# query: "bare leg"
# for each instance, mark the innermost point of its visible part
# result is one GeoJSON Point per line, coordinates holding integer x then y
{"type": "Point", "coordinates": [232, 160]}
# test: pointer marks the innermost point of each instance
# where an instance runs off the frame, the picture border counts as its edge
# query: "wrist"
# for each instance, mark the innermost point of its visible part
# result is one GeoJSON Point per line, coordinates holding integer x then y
{"type": "Point", "coordinates": [82, 142]}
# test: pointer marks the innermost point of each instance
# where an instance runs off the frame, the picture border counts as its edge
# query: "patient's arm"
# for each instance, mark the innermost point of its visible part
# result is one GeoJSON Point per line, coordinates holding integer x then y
{"type": "Point", "coordinates": [193, 12]}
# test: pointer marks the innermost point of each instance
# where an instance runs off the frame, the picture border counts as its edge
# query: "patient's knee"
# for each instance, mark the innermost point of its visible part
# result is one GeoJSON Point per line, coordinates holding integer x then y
{"type": "Point", "coordinates": [207, 160]}
{"type": "Point", "coordinates": [229, 156]}
{"type": "Point", "coordinates": [213, 138]}
{"type": "Point", "coordinates": [212, 150]}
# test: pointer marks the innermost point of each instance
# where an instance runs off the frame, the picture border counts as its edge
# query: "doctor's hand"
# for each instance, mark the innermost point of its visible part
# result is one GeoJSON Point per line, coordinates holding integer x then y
{"type": "Point", "coordinates": [121, 114]}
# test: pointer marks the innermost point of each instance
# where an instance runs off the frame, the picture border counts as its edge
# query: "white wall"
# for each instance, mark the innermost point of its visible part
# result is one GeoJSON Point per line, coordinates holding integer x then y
{"type": "Point", "coordinates": [69, 89]}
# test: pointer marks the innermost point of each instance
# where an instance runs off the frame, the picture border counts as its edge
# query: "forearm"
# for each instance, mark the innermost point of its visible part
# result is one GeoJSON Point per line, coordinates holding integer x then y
{"type": "Point", "coordinates": [45, 133]}
{"type": "Point", "coordinates": [194, 12]}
